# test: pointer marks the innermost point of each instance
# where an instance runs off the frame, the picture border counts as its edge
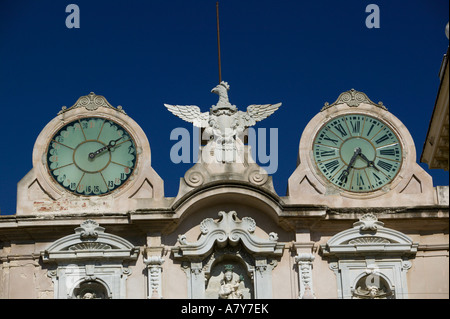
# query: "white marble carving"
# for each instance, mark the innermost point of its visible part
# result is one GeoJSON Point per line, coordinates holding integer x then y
{"type": "Point", "coordinates": [230, 287]}
{"type": "Point", "coordinates": [224, 124]}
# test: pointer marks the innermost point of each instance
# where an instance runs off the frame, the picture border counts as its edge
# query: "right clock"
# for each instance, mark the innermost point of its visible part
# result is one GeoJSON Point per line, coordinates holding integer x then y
{"type": "Point", "coordinates": [357, 152]}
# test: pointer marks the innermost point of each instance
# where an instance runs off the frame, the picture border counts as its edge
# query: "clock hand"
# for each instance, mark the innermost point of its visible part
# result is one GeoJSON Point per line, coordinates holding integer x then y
{"type": "Point", "coordinates": [346, 171]}
{"type": "Point", "coordinates": [111, 143]}
{"type": "Point", "coordinates": [369, 163]}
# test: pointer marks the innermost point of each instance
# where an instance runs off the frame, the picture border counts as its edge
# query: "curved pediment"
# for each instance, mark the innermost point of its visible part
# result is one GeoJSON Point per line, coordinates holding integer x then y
{"type": "Point", "coordinates": [89, 242]}
{"type": "Point", "coordinates": [229, 229]}
{"type": "Point", "coordinates": [369, 236]}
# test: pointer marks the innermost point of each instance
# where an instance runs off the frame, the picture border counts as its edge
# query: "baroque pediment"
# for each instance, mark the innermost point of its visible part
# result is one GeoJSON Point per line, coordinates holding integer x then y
{"type": "Point", "coordinates": [229, 229]}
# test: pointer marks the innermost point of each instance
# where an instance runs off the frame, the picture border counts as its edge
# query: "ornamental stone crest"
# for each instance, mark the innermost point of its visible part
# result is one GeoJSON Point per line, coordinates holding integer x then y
{"type": "Point", "coordinates": [91, 102]}
{"type": "Point", "coordinates": [89, 229]}
{"type": "Point", "coordinates": [368, 222]}
{"type": "Point", "coordinates": [224, 124]}
{"type": "Point", "coordinates": [353, 98]}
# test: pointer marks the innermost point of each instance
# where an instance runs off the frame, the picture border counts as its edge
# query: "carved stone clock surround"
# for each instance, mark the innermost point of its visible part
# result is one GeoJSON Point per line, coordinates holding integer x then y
{"type": "Point", "coordinates": [39, 193]}
{"type": "Point", "coordinates": [411, 178]}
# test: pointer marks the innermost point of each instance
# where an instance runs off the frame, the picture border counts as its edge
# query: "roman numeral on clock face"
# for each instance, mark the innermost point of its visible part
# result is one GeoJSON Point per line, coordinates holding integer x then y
{"type": "Point", "coordinates": [388, 152]}
{"type": "Point", "coordinates": [327, 138]}
{"type": "Point", "coordinates": [331, 166]}
{"type": "Point", "coordinates": [356, 126]}
{"type": "Point", "coordinates": [384, 165]}
{"type": "Point", "coordinates": [382, 139]}
{"type": "Point", "coordinates": [327, 153]}
{"type": "Point", "coordinates": [341, 130]}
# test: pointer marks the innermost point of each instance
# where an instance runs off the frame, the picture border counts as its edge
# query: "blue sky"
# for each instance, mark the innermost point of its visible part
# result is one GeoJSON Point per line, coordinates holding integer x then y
{"type": "Point", "coordinates": [142, 54]}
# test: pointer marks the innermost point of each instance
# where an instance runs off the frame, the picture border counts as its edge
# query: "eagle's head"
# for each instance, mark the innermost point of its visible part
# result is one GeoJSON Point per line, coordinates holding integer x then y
{"type": "Point", "coordinates": [221, 89]}
{"type": "Point", "coordinates": [224, 103]}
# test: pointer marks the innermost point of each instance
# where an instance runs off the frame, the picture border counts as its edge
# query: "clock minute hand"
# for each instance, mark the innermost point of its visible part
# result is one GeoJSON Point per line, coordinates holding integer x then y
{"type": "Point", "coordinates": [111, 143]}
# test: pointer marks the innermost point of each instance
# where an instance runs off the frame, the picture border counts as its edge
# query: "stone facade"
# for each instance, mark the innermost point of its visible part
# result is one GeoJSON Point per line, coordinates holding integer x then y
{"type": "Point", "coordinates": [227, 234]}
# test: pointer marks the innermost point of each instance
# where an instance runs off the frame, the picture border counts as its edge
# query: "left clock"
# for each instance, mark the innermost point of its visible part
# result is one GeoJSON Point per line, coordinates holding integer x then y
{"type": "Point", "coordinates": [91, 156]}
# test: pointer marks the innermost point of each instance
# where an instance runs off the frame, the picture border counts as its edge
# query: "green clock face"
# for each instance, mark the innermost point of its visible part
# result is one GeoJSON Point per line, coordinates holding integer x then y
{"type": "Point", "coordinates": [91, 156]}
{"type": "Point", "coordinates": [357, 153]}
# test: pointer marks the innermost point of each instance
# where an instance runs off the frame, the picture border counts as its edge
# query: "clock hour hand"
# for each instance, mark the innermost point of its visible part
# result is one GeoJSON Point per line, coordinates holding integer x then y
{"type": "Point", "coordinates": [346, 171]}
{"type": "Point", "coordinates": [111, 143]}
{"type": "Point", "coordinates": [369, 163]}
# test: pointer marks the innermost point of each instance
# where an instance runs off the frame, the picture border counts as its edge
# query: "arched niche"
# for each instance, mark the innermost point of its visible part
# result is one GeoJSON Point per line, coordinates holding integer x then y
{"type": "Point", "coordinates": [370, 286]}
{"type": "Point", "coordinates": [237, 262]}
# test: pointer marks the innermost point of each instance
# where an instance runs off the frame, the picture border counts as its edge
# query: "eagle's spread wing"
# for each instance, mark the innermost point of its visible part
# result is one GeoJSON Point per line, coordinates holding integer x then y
{"type": "Point", "coordinates": [257, 113]}
{"type": "Point", "coordinates": [190, 113]}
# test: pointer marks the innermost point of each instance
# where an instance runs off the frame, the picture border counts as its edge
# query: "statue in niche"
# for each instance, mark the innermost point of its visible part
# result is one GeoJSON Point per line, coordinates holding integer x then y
{"type": "Point", "coordinates": [89, 295]}
{"type": "Point", "coordinates": [371, 292]}
{"type": "Point", "coordinates": [367, 288]}
{"type": "Point", "coordinates": [90, 290]}
{"type": "Point", "coordinates": [229, 288]}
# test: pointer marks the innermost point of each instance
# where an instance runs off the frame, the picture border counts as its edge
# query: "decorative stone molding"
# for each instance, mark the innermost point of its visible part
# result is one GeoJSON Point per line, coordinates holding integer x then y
{"type": "Point", "coordinates": [89, 229]}
{"type": "Point", "coordinates": [90, 263]}
{"type": "Point", "coordinates": [209, 172]}
{"type": "Point", "coordinates": [90, 242]}
{"type": "Point", "coordinates": [353, 98]}
{"type": "Point", "coordinates": [228, 230]}
{"type": "Point", "coordinates": [369, 235]}
{"type": "Point", "coordinates": [368, 222]}
{"type": "Point", "coordinates": [305, 262]}
{"type": "Point", "coordinates": [370, 260]}
{"type": "Point", "coordinates": [91, 102]}
{"type": "Point", "coordinates": [154, 268]}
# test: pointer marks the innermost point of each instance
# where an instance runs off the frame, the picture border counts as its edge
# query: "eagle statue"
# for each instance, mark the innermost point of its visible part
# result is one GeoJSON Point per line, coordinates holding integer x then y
{"type": "Point", "coordinates": [224, 122]}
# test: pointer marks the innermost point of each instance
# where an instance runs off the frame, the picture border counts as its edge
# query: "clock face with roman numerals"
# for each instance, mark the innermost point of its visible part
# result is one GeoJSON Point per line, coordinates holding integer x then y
{"type": "Point", "coordinates": [357, 153]}
{"type": "Point", "coordinates": [91, 156]}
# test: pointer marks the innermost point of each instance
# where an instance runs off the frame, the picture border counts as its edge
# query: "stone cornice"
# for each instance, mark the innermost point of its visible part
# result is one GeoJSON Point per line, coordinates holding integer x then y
{"type": "Point", "coordinates": [291, 216]}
